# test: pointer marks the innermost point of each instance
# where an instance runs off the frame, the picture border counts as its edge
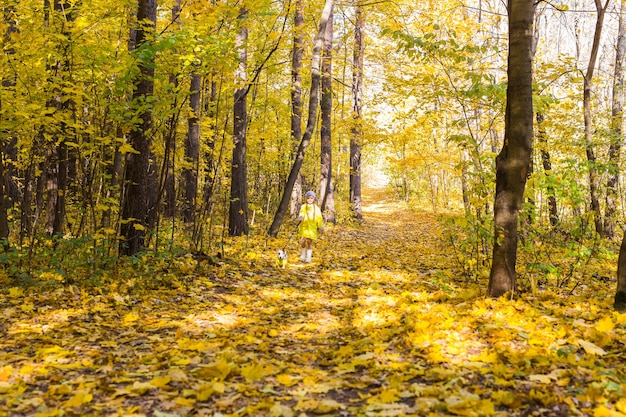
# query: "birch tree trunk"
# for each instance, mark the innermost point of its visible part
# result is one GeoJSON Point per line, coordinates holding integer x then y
{"type": "Point", "coordinates": [310, 126]}
{"type": "Point", "coordinates": [513, 161]}
{"type": "Point", "coordinates": [296, 99]}
{"type": "Point", "coordinates": [326, 107]}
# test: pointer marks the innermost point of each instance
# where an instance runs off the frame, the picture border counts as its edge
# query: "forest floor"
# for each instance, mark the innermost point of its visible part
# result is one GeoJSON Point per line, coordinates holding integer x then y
{"type": "Point", "coordinates": [379, 324]}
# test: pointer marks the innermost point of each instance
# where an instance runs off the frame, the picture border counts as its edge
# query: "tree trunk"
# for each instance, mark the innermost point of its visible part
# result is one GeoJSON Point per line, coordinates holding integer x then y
{"type": "Point", "coordinates": [192, 151]}
{"type": "Point", "coordinates": [238, 211]}
{"type": "Point", "coordinates": [60, 70]}
{"type": "Point", "coordinates": [114, 171]}
{"type": "Point", "coordinates": [9, 144]}
{"type": "Point", "coordinates": [513, 161]}
{"type": "Point", "coordinates": [137, 202]}
{"type": "Point", "coordinates": [169, 161]}
{"type": "Point", "coordinates": [587, 82]}
{"type": "Point", "coordinates": [547, 169]}
{"type": "Point", "coordinates": [296, 100]}
{"type": "Point", "coordinates": [357, 91]}
{"type": "Point", "coordinates": [326, 107]}
{"type": "Point", "coordinates": [620, 294]}
{"type": "Point", "coordinates": [310, 126]}
{"type": "Point", "coordinates": [617, 120]}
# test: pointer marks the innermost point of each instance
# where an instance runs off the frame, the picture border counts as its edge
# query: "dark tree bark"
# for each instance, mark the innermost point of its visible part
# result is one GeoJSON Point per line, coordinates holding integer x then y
{"type": "Point", "coordinates": [192, 151]}
{"type": "Point", "coordinates": [546, 161]}
{"type": "Point", "coordinates": [238, 210]}
{"type": "Point", "coordinates": [169, 161]}
{"type": "Point", "coordinates": [513, 161]}
{"type": "Point", "coordinates": [9, 144]}
{"type": "Point", "coordinates": [312, 116]}
{"type": "Point", "coordinates": [594, 187]}
{"type": "Point", "coordinates": [327, 195]}
{"type": "Point", "coordinates": [58, 165]}
{"type": "Point", "coordinates": [620, 294]}
{"type": "Point", "coordinates": [296, 99]}
{"type": "Point", "coordinates": [357, 91]}
{"type": "Point", "coordinates": [114, 171]}
{"type": "Point", "coordinates": [617, 121]}
{"type": "Point", "coordinates": [138, 200]}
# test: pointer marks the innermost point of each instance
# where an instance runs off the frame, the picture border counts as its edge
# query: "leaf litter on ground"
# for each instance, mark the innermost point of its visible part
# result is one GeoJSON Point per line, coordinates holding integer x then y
{"type": "Point", "coordinates": [381, 323]}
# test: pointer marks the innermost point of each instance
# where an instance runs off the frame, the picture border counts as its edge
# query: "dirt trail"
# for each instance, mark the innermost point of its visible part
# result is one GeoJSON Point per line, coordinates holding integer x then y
{"type": "Point", "coordinates": [337, 337]}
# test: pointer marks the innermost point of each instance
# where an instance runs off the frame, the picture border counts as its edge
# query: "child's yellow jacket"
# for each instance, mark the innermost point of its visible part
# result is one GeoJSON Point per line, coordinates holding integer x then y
{"type": "Point", "coordinates": [312, 220]}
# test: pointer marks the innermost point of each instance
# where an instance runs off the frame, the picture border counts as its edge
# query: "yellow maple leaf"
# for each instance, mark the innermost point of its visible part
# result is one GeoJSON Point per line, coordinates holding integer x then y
{"type": "Point", "coordinates": [161, 381]}
{"type": "Point", "coordinates": [130, 318]}
{"type": "Point", "coordinates": [79, 399]}
{"type": "Point", "coordinates": [256, 371]}
{"type": "Point", "coordinates": [544, 379]}
{"type": "Point", "coordinates": [5, 372]}
{"type": "Point", "coordinates": [602, 411]}
{"type": "Point", "coordinates": [16, 292]}
{"type": "Point", "coordinates": [185, 402]}
{"type": "Point", "coordinates": [591, 348]}
{"type": "Point", "coordinates": [141, 387]}
{"type": "Point", "coordinates": [286, 380]}
{"type": "Point", "coordinates": [605, 325]}
{"type": "Point", "coordinates": [218, 370]}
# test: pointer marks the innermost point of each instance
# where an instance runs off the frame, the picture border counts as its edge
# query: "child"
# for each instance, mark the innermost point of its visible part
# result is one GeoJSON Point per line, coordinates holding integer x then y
{"type": "Point", "coordinates": [310, 222]}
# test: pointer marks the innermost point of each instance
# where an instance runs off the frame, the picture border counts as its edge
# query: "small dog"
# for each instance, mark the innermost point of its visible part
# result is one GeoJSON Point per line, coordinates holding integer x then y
{"type": "Point", "coordinates": [281, 259]}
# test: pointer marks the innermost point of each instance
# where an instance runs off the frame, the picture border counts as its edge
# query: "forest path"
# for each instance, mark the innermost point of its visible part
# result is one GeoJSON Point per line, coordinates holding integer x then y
{"type": "Point", "coordinates": [377, 325]}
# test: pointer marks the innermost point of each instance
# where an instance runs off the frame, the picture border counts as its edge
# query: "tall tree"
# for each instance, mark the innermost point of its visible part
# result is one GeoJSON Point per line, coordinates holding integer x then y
{"type": "Point", "coordinates": [296, 98]}
{"type": "Point", "coordinates": [513, 161]}
{"type": "Point", "coordinates": [167, 187]}
{"type": "Point", "coordinates": [617, 121]}
{"type": "Point", "coordinates": [138, 202]}
{"type": "Point", "coordinates": [546, 161]}
{"type": "Point", "coordinates": [238, 210]}
{"type": "Point", "coordinates": [310, 126]}
{"type": "Point", "coordinates": [326, 107]}
{"type": "Point", "coordinates": [8, 82]}
{"type": "Point", "coordinates": [60, 70]}
{"type": "Point", "coordinates": [357, 129]}
{"type": "Point", "coordinates": [192, 150]}
{"type": "Point", "coordinates": [587, 82]}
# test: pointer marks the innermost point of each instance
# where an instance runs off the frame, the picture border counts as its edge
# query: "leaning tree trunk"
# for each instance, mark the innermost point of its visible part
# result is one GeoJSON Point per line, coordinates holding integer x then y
{"type": "Point", "coordinates": [513, 161]}
{"type": "Point", "coordinates": [310, 126]}
{"type": "Point", "coordinates": [137, 202]}
{"type": "Point", "coordinates": [357, 129]}
{"type": "Point", "coordinates": [617, 121]}
{"type": "Point", "coordinates": [594, 187]}
{"type": "Point", "coordinates": [296, 99]}
{"type": "Point", "coordinates": [312, 116]}
{"type": "Point", "coordinates": [238, 210]}
{"type": "Point", "coordinates": [326, 108]}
